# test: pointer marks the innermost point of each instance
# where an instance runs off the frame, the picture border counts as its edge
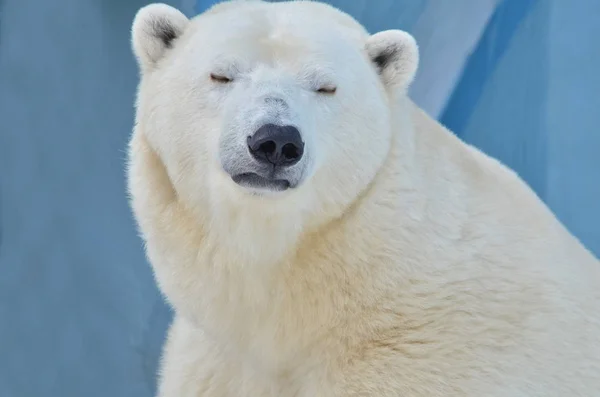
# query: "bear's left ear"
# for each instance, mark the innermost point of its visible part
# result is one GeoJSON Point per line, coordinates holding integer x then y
{"type": "Point", "coordinates": [395, 54]}
{"type": "Point", "coordinates": [155, 28]}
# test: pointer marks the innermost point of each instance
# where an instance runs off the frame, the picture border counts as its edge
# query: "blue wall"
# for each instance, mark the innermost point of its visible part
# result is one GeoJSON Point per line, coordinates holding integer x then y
{"type": "Point", "coordinates": [79, 311]}
{"type": "Point", "coordinates": [529, 97]}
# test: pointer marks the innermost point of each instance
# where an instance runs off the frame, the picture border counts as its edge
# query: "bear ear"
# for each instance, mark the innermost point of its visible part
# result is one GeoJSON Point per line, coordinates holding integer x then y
{"type": "Point", "coordinates": [395, 54]}
{"type": "Point", "coordinates": [154, 29]}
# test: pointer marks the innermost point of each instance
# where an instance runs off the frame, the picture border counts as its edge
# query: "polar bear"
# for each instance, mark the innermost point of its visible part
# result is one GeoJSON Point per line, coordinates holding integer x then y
{"type": "Point", "coordinates": [317, 234]}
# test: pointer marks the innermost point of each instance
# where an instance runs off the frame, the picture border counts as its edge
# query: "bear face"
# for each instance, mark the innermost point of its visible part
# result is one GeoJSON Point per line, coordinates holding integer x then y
{"type": "Point", "coordinates": [253, 113]}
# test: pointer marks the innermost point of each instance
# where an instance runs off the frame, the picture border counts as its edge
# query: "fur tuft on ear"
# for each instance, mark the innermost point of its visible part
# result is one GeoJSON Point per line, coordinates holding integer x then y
{"type": "Point", "coordinates": [154, 29]}
{"type": "Point", "coordinates": [395, 54]}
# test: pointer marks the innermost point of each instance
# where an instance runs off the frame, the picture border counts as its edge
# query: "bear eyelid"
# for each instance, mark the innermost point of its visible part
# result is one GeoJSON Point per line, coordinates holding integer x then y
{"type": "Point", "coordinates": [219, 78]}
{"type": "Point", "coordinates": [327, 89]}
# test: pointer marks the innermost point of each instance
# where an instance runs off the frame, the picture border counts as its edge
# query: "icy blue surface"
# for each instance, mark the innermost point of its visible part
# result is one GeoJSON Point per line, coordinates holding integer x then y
{"type": "Point", "coordinates": [529, 97]}
{"type": "Point", "coordinates": [79, 311]}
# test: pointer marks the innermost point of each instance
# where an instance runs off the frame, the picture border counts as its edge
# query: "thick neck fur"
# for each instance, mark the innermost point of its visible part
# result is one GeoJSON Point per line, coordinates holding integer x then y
{"type": "Point", "coordinates": [275, 313]}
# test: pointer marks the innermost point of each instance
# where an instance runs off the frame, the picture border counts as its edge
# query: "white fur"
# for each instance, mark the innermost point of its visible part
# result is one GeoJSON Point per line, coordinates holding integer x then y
{"type": "Point", "coordinates": [405, 264]}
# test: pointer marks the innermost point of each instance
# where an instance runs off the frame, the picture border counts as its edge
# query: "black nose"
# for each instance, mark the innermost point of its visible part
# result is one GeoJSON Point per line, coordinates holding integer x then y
{"type": "Point", "coordinates": [280, 145]}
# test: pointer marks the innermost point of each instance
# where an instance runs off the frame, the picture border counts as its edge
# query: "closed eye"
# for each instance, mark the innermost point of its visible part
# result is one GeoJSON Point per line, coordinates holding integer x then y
{"type": "Point", "coordinates": [328, 89]}
{"type": "Point", "coordinates": [219, 78]}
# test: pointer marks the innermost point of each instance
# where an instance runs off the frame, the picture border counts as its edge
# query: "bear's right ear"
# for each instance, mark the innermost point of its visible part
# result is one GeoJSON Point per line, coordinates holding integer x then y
{"type": "Point", "coordinates": [154, 29]}
{"type": "Point", "coordinates": [395, 55]}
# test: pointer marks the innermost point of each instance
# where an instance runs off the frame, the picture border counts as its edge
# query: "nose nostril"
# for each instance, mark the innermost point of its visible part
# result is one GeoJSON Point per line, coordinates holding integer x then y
{"type": "Point", "coordinates": [290, 151]}
{"type": "Point", "coordinates": [268, 147]}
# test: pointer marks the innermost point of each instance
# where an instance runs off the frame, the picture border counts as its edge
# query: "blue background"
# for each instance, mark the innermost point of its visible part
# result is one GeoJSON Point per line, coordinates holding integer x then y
{"type": "Point", "coordinates": [79, 311]}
